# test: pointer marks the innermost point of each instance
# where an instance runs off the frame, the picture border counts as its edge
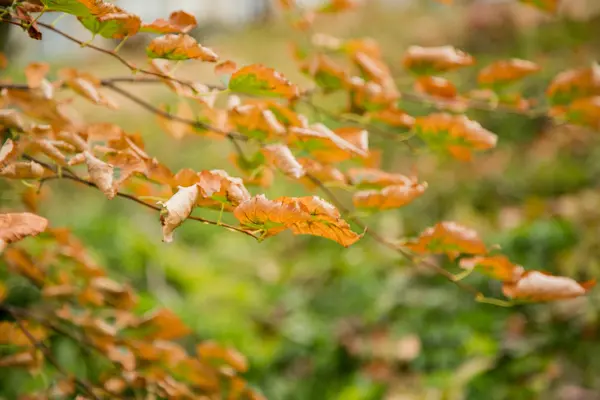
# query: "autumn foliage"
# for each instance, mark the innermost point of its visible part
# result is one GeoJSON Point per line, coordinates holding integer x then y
{"type": "Point", "coordinates": [272, 140]}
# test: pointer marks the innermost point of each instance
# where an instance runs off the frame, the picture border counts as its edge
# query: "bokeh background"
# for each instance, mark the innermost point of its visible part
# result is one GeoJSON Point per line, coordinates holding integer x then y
{"type": "Point", "coordinates": [318, 321]}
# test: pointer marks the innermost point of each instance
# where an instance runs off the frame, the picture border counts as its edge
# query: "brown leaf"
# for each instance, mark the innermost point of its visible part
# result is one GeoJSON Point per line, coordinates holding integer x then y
{"type": "Point", "coordinates": [86, 86]}
{"type": "Point", "coordinates": [256, 79]}
{"type": "Point", "coordinates": [429, 60]}
{"type": "Point", "coordinates": [12, 119]}
{"type": "Point", "coordinates": [212, 351]}
{"type": "Point", "coordinates": [8, 152]}
{"type": "Point", "coordinates": [180, 47]}
{"type": "Point", "coordinates": [540, 286]}
{"type": "Point", "coordinates": [101, 174]}
{"type": "Point", "coordinates": [118, 295]}
{"type": "Point", "coordinates": [122, 356]}
{"type": "Point", "coordinates": [449, 238]}
{"type": "Point", "coordinates": [326, 145]}
{"type": "Point", "coordinates": [26, 359]}
{"type": "Point", "coordinates": [179, 22]}
{"type": "Point", "coordinates": [505, 71]}
{"type": "Point", "coordinates": [281, 157]}
{"type": "Point", "coordinates": [16, 226]}
{"type": "Point", "coordinates": [23, 170]}
{"type": "Point", "coordinates": [177, 209]}
{"type": "Point", "coordinates": [218, 189]}
{"type": "Point", "coordinates": [393, 196]}
{"type": "Point", "coordinates": [497, 267]}
{"type": "Point", "coordinates": [35, 73]}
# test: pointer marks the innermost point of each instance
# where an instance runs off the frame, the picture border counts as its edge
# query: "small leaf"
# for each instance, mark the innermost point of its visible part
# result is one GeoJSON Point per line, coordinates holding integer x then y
{"type": "Point", "coordinates": [503, 72]}
{"type": "Point", "coordinates": [179, 47]}
{"type": "Point", "coordinates": [218, 189]}
{"type": "Point", "coordinates": [177, 209]}
{"type": "Point", "coordinates": [179, 22]}
{"type": "Point", "coordinates": [392, 116]}
{"type": "Point", "coordinates": [101, 174]}
{"type": "Point", "coordinates": [497, 267]}
{"type": "Point", "coordinates": [87, 86]}
{"type": "Point", "coordinates": [327, 146]}
{"type": "Point", "coordinates": [8, 152]}
{"type": "Point", "coordinates": [258, 80]}
{"type": "Point", "coordinates": [281, 157]}
{"type": "Point", "coordinates": [449, 238]}
{"type": "Point", "coordinates": [430, 60]}
{"type": "Point", "coordinates": [16, 226]}
{"type": "Point", "coordinates": [540, 286]}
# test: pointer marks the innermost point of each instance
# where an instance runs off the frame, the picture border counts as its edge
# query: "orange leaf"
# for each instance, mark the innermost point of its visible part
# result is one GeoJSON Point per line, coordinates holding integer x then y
{"type": "Point", "coordinates": [211, 350]}
{"type": "Point", "coordinates": [23, 170]}
{"type": "Point", "coordinates": [540, 286]}
{"type": "Point", "coordinates": [174, 127]}
{"type": "Point", "coordinates": [86, 86]}
{"type": "Point", "coordinates": [392, 116]}
{"type": "Point", "coordinates": [505, 71]}
{"type": "Point", "coordinates": [108, 20]}
{"type": "Point", "coordinates": [20, 262]}
{"type": "Point", "coordinates": [35, 73]}
{"type": "Point", "coordinates": [336, 6]}
{"type": "Point", "coordinates": [8, 152]}
{"type": "Point", "coordinates": [497, 267]}
{"type": "Point", "coordinates": [429, 60]}
{"type": "Point", "coordinates": [376, 70]}
{"type": "Point", "coordinates": [436, 86]}
{"type": "Point", "coordinates": [226, 68]}
{"type": "Point", "coordinates": [218, 189]}
{"type": "Point", "coordinates": [163, 324]}
{"type": "Point", "coordinates": [101, 174]}
{"type": "Point", "coordinates": [10, 333]}
{"type": "Point", "coordinates": [179, 47]}
{"type": "Point", "coordinates": [393, 196]}
{"type": "Point", "coordinates": [449, 238]}
{"type": "Point", "coordinates": [455, 134]}
{"type": "Point", "coordinates": [550, 6]}
{"type": "Point", "coordinates": [281, 157]}
{"type": "Point", "coordinates": [179, 22]}
{"type": "Point", "coordinates": [574, 84]}
{"type": "Point", "coordinates": [375, 178]}
{"type": "Point", "coordinates": [328, 146]}
{"type": "Point", "coordinates": [14, 227]}
{"type": "Point", "coordinates": [324, 173]}
{"type": "Point", "coordinates": [258, 80]}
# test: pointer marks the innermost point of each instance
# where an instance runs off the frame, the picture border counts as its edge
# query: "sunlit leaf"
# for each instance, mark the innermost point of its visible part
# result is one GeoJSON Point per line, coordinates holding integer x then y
{"type": "Point", "coordinates": [503, 72]}
{"type": "Point", "coordinates": [449, 238]}
{"type": "Point", "coordinates": [454, 134]}
{"type": "Point", "coordinates": [109, 20]}
{"type": "Point", "coordinates": [430, 60]}
{"type": "Point", "coordinates": [258, 80]}
{"type": "Point", "coordinates": [497, 267]}
{"type": "Point", "coordinates": [281, 157]}
{"type": "Point", "coordinates": [179, 22]}
{"type": "Point", "coordinates": [179, 47]}
{"type": "Point", "coordinates": [393, 196]}
{"type": "Point", "coordinates": [177, 209]}
{"type": "Point", "coordinates": [541, 286]}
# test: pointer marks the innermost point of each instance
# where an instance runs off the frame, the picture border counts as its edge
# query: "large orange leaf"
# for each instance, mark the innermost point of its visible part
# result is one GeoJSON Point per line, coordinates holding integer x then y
{"type": "Point", "coordinates": [258, 80]}
{"type": "Point", "coordinates": [540, 286]}
{"type": "Point", "coordinates": [179, 47]}
{"type": "Point", "coordinates": [498, 267]}
{"type": "Point", "coordinates": [16, 226]}
{"type": "Point", "coordinates": [257, 120]}
{"type": "Point", "coordinates": [574, 84]}
{"type": "Point", "coordinates": [449, 238]}
{"type": "Point", "coordinates": [455, 134]}
{"type": "Point", "coordinates": [179, 22]}
{"type": "Point", "coordinates": [304, 215]}
{"type": "Point", "coordinates": [282, 157]}
{"type": "Point", "coordinates": [505, 71]}
{"type": "Point", "coordinates": [429, 60]}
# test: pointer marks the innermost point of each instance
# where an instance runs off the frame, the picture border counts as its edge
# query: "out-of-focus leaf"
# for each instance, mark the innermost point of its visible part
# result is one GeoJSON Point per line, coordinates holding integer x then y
{"type": "Point", "coordinates": [281, 157]}
{"type": "Point", "coordinates": [8, 152]}
{"type": "Point", "coordinates": [550, 6]}
{"type": "Point", "coordinates": [503, 72]}
{"type": "Point", "coordinates": [326, 73]}
{"type": "Point", "coordinates": [179, 22]}
{"type": "Point", "coordinates": [175, 127]}
{"type": "Point", "coordinates": [87, 86]}
{"type": "Point", "coordinates": [210, 350]}
{"type": "Point", "coordinates": [109, 20]}
{"type": "Point", "coordinates": [574, 84]}
{"type": "Point", "coordinates": [336, 6]}
{"type": "Point", "coordinates": [180, 47]}
{"type": "Point", "coordinates": [430, 60]}
{"type": "Point", "coordinates": [585, 111]}
{"type": "Point", "coordinates": [10, 333]}
{"type": "Point", "coordinates": [258, 80]}
{"type": "Point", "coordinates": [35, 73]}
{"type": "Point", "coordinates": [16, 226]}
{"type": "Point", "coordinates": [497, 267]}
{"type": "Point", "coordinates": [436, 86]}
{"type": "Point", "coordinates": [455, 134]}
{"type": "Point", "coordinates": [449, 238]}
{"type": "Point", "coordinates": [540, 286]}
{"type": "Point", "coordinates": [163, 324]}
{"type": "Point", "coordinates": [393, 117]}
{"type": "Point", "coordinates": [23, 170]}
{"type": "Point", "coordinates": [177, 209]}
{"type": "Point", "coordinates": [393, 196]}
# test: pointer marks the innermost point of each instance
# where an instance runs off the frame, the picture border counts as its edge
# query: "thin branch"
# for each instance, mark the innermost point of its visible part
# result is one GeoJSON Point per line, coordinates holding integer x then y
{"type": "Point", "coordinates": [86, 387]}
{"type": "Point", "coordinates": [77, 179]}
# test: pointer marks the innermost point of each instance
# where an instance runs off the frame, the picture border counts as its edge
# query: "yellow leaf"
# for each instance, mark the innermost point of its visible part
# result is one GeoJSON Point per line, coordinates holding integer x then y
{"type": "Point", "coordinates": [540, 286]}
{"type": "Point", "coordinates": [179, 22]}
{"type": "Point", "coordinates": [10, 333]}
{"type": "Point", "coordinates": [177, 209]}
{"type": "Point", "coordinates": [281, 157]}
{"type": "Point", "coordinates": [180, 47]}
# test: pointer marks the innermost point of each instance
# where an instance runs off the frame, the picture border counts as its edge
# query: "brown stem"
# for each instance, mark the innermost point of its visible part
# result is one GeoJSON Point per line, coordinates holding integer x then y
{"type": "Point", "coordinates": [86, 387]}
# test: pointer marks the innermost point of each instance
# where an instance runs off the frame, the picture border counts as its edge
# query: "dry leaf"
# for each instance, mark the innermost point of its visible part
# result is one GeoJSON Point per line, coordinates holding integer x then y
{"type": "Point", "coordinates": [430, 60]}
{"type": "Point", "coordinates": [540, 286]}
{"type": "Point", "coordinates": [177, 209]}
{"type": "Point", "coordinates": [436, 86]}
{"type": "Point", "coordinates": [179, 22]}
{"type": "Point", "coordinates": [16, 226]}
{"type": "Point", "coordinates": [281, 157]}
{"type": "Point", "coordinates": [101, 174]}
{"type": "Point", "coordinates": [497, 267]}
{"type": "Point", "coordinates": [180, 47]}
{"type": "Point", "coordinates": [212, 351]}
{"type": "Point", "coordinates": [23, 170]}
{"type": "Point", "coordinates": [505, 71]}
{"type": "Point", "coordinates": [449, 238]}
{"type": "Point", "coordinates": [35, 73]}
